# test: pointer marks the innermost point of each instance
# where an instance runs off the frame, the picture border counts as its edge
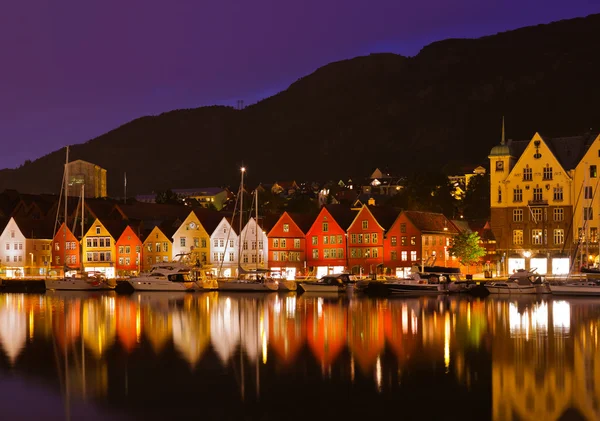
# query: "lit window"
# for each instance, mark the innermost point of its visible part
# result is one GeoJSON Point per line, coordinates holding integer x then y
{"type": "Point", "coordinates": [286, 227]}
{"type": "Point", "coordinates": [365, 225]}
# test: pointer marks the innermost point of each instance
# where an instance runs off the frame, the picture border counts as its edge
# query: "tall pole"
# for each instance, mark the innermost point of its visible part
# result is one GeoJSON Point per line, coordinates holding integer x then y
{"type": "Point", "coordinates": [64, 245]}
{"type": "Point", "coordinates": [82, 227]}
{"type": "Point", "coordinates": [240, 224]}
{"type": "Point", "coordinates": [256, 213]}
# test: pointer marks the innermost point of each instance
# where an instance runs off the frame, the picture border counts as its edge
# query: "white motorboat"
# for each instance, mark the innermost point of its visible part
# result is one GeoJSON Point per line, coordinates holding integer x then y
{"type": "Point", "coordinates": [509, 287]}
{"type": "Point", "coordinates": [168, 276]}
{"type": "Point", "coordinates": [576, 288]}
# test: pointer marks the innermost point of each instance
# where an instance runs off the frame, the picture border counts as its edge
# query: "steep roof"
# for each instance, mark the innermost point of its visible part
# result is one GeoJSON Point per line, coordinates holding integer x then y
{"type": "Point", "coordinates": [431, 222]}
{"type": "Point", "coordinates": [114, 227]}
{"type": "Point", "coordinates": [153, 211]}
{"type": "Point", "coordinates": [342, 214]}
{"type": "Point", "coordinates": [36, 228]}
{"type": "Point", "coordinates": [385, 215]}
{"type": "Point", "coordinates": [304, 221]}
{"type": "Point", "coordinates": [462, 225]}
{"type": "Point", "coordinates": [209, 219]}
{"type": "Point", "coordinates": [567, 150]}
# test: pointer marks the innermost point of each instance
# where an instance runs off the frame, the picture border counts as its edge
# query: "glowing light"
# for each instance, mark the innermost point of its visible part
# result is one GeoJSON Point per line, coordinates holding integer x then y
{"type": "Point", "coordinates": [138, 325]}
{"type": "Point", "coordinates": [31, 324]}
{"type": "Point", "coordinates": [561, 316]}
{"type": "Point", "coordinates": [378, 374]}
{"type": "Point", "coordinates": [447, 342]}
{"type": "Point", "coordinates": [527, 254]}
{"type": "Point", "coordinates": [243, 169]}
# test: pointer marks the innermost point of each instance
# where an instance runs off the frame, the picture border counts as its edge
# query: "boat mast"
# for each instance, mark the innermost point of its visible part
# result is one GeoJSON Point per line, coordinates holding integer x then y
{"type": "Point", "coordinates": [66, 211]}
{"type": "Point", "coordinates": [240, 224]}
{"type": "Point", "coordinates": [82, 227]}
{"type": "Point", "coordinates": [256, 244]}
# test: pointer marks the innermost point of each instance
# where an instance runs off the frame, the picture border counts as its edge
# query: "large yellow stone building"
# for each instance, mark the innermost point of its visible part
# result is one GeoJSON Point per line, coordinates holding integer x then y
{"type": "Point", "coordinates": [538, 188]}
{"type": "Point", "coordinates": [92, 176]}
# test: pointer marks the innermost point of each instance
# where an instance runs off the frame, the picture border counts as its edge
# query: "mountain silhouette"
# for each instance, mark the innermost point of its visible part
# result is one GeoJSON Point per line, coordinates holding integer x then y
{"type": "Point", "coordinates": [443, 106]}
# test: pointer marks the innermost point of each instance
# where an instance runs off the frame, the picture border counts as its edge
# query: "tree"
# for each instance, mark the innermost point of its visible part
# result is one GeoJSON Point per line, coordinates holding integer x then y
{"type": "Point", "coordinates": [477, 198]}
{"type": "Point", "coordinates": [167, 196]}
{"type": "Point", "coordinates": [466, 248]}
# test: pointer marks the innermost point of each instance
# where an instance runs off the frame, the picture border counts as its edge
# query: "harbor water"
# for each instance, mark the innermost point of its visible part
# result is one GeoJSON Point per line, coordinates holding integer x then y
{"type": "Point", "coordinates": [274, 356]}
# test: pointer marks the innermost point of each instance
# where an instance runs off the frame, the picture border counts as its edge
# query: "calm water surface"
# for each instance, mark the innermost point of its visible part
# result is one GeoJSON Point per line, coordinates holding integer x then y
{"type": "Point", "coordinates": [162, 356]}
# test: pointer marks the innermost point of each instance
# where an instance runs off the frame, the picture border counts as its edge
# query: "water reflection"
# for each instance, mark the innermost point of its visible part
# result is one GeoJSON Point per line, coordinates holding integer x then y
{"type": "Point", "coordinates": [524, 358]}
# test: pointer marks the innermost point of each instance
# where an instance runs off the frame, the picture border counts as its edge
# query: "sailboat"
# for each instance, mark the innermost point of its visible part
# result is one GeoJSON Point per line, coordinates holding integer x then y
{"type": "Point", "coordinates": [257, 283]}
{"type": "Point", "coordinates": [82, 280]}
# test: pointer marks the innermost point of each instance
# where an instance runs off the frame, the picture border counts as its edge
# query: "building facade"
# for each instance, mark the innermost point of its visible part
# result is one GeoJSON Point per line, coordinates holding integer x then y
{"type": "Point", "coordinates": [365, 243]}
{"type": "Point", "coordinates": [66, 251]}
{"type": "Point", "coordinates": [157, 248]}
{"type": "Point", "coordinates": [532, 194]}
{"type": "Point", "coordinates": [26, 247]}
{"type": "Point", "coordinates": [193, 239]}
{"type": "Point", "coordinates": [287, 246]}
{"type": "Point", "coordinates": [326, 241]}
{"type": "Point", "coordinates": [99, 250]}
{"type": "Point", "coordinates": [129, 253]}
{"type": "Point", "coordinates": [224, 250]}
{"type": "Point", "coordinates": [92, 176]}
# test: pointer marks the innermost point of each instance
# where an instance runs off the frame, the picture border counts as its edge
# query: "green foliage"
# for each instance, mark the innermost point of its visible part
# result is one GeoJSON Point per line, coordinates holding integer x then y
{"type": "Point", "coordinates": [476, 203]}
{"type": "Point", "coordinates": [167, 197]}
{"type": "Point", "coordinates": [466, 248]}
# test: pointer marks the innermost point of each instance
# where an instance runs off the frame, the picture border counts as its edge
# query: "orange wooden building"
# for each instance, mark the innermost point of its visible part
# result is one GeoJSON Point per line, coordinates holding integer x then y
{"type": "Point", "coordinates": [129, 253]}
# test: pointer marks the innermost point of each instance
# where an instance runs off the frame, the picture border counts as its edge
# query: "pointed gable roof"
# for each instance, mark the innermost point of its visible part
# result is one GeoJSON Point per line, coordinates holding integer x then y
{"type": "Point", "coordinates": [431, 222]}
{"type": "Point", "coordinates": [568, 151]}
{"type": "Point", "coordinates": [209, 219]}
{"type": "Point", "coordinates": [114, 228]}
{"type": "Point", "coordinates": [343, 215]}
{"type": "Point", "coordinates": [35, 228]}
{"type": "Point", "coordinates": [303, 221]}
{"type": "Point", "coordinates": [385, 215]}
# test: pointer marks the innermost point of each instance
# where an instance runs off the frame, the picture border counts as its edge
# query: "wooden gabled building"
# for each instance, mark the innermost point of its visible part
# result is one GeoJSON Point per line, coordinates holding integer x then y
{"type": "Point", "coordinates": [287, 244]}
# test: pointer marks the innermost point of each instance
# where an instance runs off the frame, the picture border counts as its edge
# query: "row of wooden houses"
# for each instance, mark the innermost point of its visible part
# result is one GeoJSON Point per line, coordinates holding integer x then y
{"type": "Point", "coordinates": [123, 239]}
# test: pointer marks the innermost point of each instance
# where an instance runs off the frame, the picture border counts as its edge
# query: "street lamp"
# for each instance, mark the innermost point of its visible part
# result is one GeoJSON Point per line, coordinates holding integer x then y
{"type": "Point", "coordinates": [138, 262]}
{"type": "Point", "coordinates": [31, 270]}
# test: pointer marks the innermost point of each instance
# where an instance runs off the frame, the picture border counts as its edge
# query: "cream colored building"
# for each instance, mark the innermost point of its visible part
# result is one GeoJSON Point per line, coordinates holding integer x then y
{"type": "Point", "coordinates": [92, 176]}
{"type": "Point", "coordinates": [536, 187]}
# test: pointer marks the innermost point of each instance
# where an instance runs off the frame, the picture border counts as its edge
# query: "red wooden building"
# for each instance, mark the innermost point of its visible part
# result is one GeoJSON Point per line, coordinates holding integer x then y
{"type": "Point", "coordinates": [326, 246]}
{"type": "Point", "coordinates": [366, 238]}
{"type": "Point", "coordinates": [418, 238]}
{"type": "Point", "coordinates": [287, 244]}
{"type": "Point", "coordinates": [129, 253]}
{"type": "Point", "coordinates": [66, 250]}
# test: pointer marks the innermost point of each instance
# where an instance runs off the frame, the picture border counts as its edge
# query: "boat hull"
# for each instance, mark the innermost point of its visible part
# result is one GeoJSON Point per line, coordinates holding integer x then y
{"type": "Point", "coordinates": [247, 286]}
{"type": "Point", "coordinates": [510, 291]}
{"type": "Point", "coordinates": [315, 287]}
{"type": "Point", "coordinates": [160, 285]}
{"type": "Point", "coordinates": [77, 285]}
{"type": "Point", "coordinates": [400, 288]}
{"type": "Point", "coordinates": [287, 286]}
{"type": "Point", "coordinates": [575, 290]}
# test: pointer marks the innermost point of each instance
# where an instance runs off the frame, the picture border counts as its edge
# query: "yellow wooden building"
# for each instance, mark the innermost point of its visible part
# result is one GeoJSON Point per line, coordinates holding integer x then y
{"type": "Point", "coordinates": [157, 247]}
{"type": "Point", "coordinates": [99, 249]}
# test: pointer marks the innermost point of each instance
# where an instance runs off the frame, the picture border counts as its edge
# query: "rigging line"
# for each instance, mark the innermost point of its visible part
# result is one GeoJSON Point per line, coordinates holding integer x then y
{"type": "Point", "coordinates": [58, 207]}
{"type": "Point", "coordinates": [228, 234]}
{"type": "Point", "coordinates": [571, 222]}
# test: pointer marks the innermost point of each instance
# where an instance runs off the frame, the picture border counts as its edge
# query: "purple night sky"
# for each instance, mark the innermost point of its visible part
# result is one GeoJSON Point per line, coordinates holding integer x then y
{"type": "Point", "coordinates": [72, 70]}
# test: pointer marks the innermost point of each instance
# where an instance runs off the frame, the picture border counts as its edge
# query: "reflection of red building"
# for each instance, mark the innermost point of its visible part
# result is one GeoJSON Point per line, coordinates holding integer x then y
{"type": "Point", "coordinates": [287, 331]}
{"type": "Point", "coordinates": [128, 319]}
{"type": "Point", "coordinates": [129, 253]}
{"type": "Point", "coordinates": [326, 327]}
{"type": "Point", "coordinates": [326, 248]}
{"type": "Point", "coordinates": [365, 330]}
{"type": "Point", "coordinates": [66, 323]}
{"type": "Point", "coordinates": [401, 330]}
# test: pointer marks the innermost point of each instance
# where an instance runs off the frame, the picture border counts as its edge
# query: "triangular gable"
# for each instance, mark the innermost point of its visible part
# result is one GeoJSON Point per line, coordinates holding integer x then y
{"type": "Point", "coordinates": [363, 209]}
{"type": "Point", "coordinates": [543, 150]}
{"type": "Point", "coordinates": [129, 231]}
